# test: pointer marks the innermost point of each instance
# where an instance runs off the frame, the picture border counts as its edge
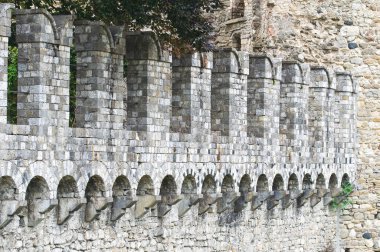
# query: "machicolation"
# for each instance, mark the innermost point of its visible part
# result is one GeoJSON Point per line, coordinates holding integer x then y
{"type": "Point", "coordinates": [176, 157]}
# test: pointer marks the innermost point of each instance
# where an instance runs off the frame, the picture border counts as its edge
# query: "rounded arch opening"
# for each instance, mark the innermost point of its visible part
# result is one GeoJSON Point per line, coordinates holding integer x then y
{"type": "Point", "coordinates": [227, 184]}
{"type": "Point", "coordinates": [145, 186]}
{"type": "Point", "coordinates": [168, 186]}
{"type": "Point", "coordinates": [209, 185]}
{"type": "Point", "coordinates": [189, 186]}
{"type": "Point", "coordinates": [321, 182]}
{"type": "Point", "coordinates": [293, 182]}
{"type": "Point", "coordinates": [307, 183]}
{"type": "Point", "coordinates": [245, 184]}
{"type": "Point", "coordinates": [278, 183]}
{"type": "Point", "coordinates": [333, 181]}
{"type": "Point", "coordinates": [8, 190]}
{"type": "Point", "coordinates": [67, 188]}
{"type": "Point", "coordinates": [262, 184]}
{"type": "Point", "coordinates": [95, 187]}
{"type": "Point", "coordinates": [37, 189]}
{"type": "Point", "coordinates": [121, 187]}
{"type": "Point", "coordinates": [345, 179]}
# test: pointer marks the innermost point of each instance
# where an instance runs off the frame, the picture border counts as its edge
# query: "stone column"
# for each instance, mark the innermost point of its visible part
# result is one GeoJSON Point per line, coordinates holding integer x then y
{"type": "Point", "coordinates": [229, 93]}
{"type": "Point", "coordinates": [5, 33]}
{"type": "Point", "coordinates": [118, 85]}
{"type": "Point", "coordinates": [191, 95]}
{"type": "Point", "coordinates": [345, 120]}
{"type": "Point", "coordinates": [36, 36]}
{"type": "Point", "coordinates": [42, 68]}
{"type": "Point", "coordinates": [93, 43]}
{"type": "Point", "coordinates": [293, 117]}
{"type": "Point", "coordinates": [61, 79]}
{"type": "Point", "coordinates": [319, 117]}
{"type": "Point", "coordinates": [263, 112]}
{"type": "Point", "coordinates": [149, 85]}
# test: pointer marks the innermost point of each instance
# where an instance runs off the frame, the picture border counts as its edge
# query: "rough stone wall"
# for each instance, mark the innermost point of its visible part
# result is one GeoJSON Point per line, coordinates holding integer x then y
{"type": "Point", "coordinates": [342, 35]}
{"type": "Point", "coordinates": [190, 171]}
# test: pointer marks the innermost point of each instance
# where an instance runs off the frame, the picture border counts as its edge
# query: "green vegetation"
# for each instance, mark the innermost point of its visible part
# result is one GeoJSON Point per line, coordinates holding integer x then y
{"type": "Point", "coordinates": [179, 22]}
{"type": "Point", "coordinates": [342, 201]}
{"type": "Point", "coordinates": [12, 85]}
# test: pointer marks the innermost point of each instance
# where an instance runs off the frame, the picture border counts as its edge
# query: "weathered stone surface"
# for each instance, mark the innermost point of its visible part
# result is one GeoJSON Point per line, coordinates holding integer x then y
{"type": "Point", "coordinates": [233, 132]}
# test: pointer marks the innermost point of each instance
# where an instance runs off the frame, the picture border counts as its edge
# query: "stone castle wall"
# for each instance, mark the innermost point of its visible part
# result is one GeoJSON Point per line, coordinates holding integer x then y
{"type": "Point", "coordinates": [222, 151]}
{"type": "Point", "coordinates": [344, 35]}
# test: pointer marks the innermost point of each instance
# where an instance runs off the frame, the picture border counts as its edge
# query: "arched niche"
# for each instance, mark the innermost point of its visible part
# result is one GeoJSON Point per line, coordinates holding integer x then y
{"type": "Point", "coordinates": [37, 189]}
{"type": "Point", "coordinates": [145, 186]}
{"type": "Point", "coordinates": [168, 186]}
{"type": "Point", "coordinates": [333, 181]}
{"type": "Point", "coordinates": [227, 184]}
{"type": "Point", "coordinates": [38, 200]}
{"type": "Point", "coordinates": [168, 193]}
{"type": "Point", "coordinates": [307, 183]}
{"type": "Point", "coordinates": [95, 187]}
{"type": "Point", "coordinates": [208, 185]}
{"type": "Point", "coordinates": [320, 185]}
{"type": "Point", "coordinates": [321, 182]}
{"type": "Point", "coordinates": [8, 190]}
{"type": "Point", "coordinates": [9, 205]}
{"type": "Point", "coordinates": [293, 192]}
{"type": "Point", "coordinates": [345, 180]}
{"type": "Point", "coordinates": [189, 185]}
{"type": "Point", "coordinates": [308, 192]}
{"type": "Point", "coordinates": [262, 184]}
{"type": "Point", "coordinates": [245, 184]}
{"type": "Point", "coordinates": [121, 187]}
{"type": "Point", "coordinates": [262, 189]}
{"type": "Point", "coordinates": [189, 193]}
{"type": "Point", "coordinates": [209, 195]}
{"type": "Point", "coordinates": [278, 183]}
{"type": "Point", "coordinates": [67, 188]}
{"type": "Point", "coordinates": [293, 182]}
{"type": "Point", "coordinates": [246, 194]}
{"type": "Point", "coordinates": [147, 200]}
{"type": "Point", "coordinates": [229, 195]}
{"type": "Point", "coordinates": [68, 199]}
{"type": "Point", "coordinates": [122, 197]}
{"type": "Point", "coordinates": [96, 198]}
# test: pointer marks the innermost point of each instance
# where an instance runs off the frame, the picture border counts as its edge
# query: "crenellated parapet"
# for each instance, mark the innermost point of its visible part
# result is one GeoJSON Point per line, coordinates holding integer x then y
{"type": "Point", "coordinates": [149, 84]}
{"type": "Point", "coordinates": [220, 133]}
{"type": "Point", "coordinates": [100, 87]}
{"type": "Point", "coordinates": [43, 66]}
{"type": "Point", "coordinates": [5, 33]}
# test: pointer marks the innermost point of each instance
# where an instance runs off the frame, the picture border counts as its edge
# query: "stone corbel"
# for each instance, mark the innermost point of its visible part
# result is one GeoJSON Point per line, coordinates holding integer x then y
{"type": "Point", "coordinates": [166, 203]}
{"type": "Point", "coordinates": [334, 192]}
{"type": "Point", "coordinates": [243, 201]}
{"type": "Point", "coordinates": [290, 197]}
{"type": "Point", "coordinates": [307, 194]}
{"type": "Point", "coordinates": [67, 207]}
{"type": "Point", "coordinates": [120, 204]}
{"type": "Point", "coordinates": [227, 201]}
{"type": "Point", "coordinates": [187, 202]}
{"type": "Point", "coordinates": [144, 203]}
{"type": "Point", "coordinates": [42, 206]}
{"type": "Point", "coordinates": [94, 207]}
{"type": "Point", "coordinates": [260, 198]}
{"type": "Point", "coordinates": [8, 209]}
{"type": "Point", "coordinates": [316, 198]}
{"type": "Point", "coordinates": [205, 204]}
{"type": "Point", "coordinates": [274, 200]}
